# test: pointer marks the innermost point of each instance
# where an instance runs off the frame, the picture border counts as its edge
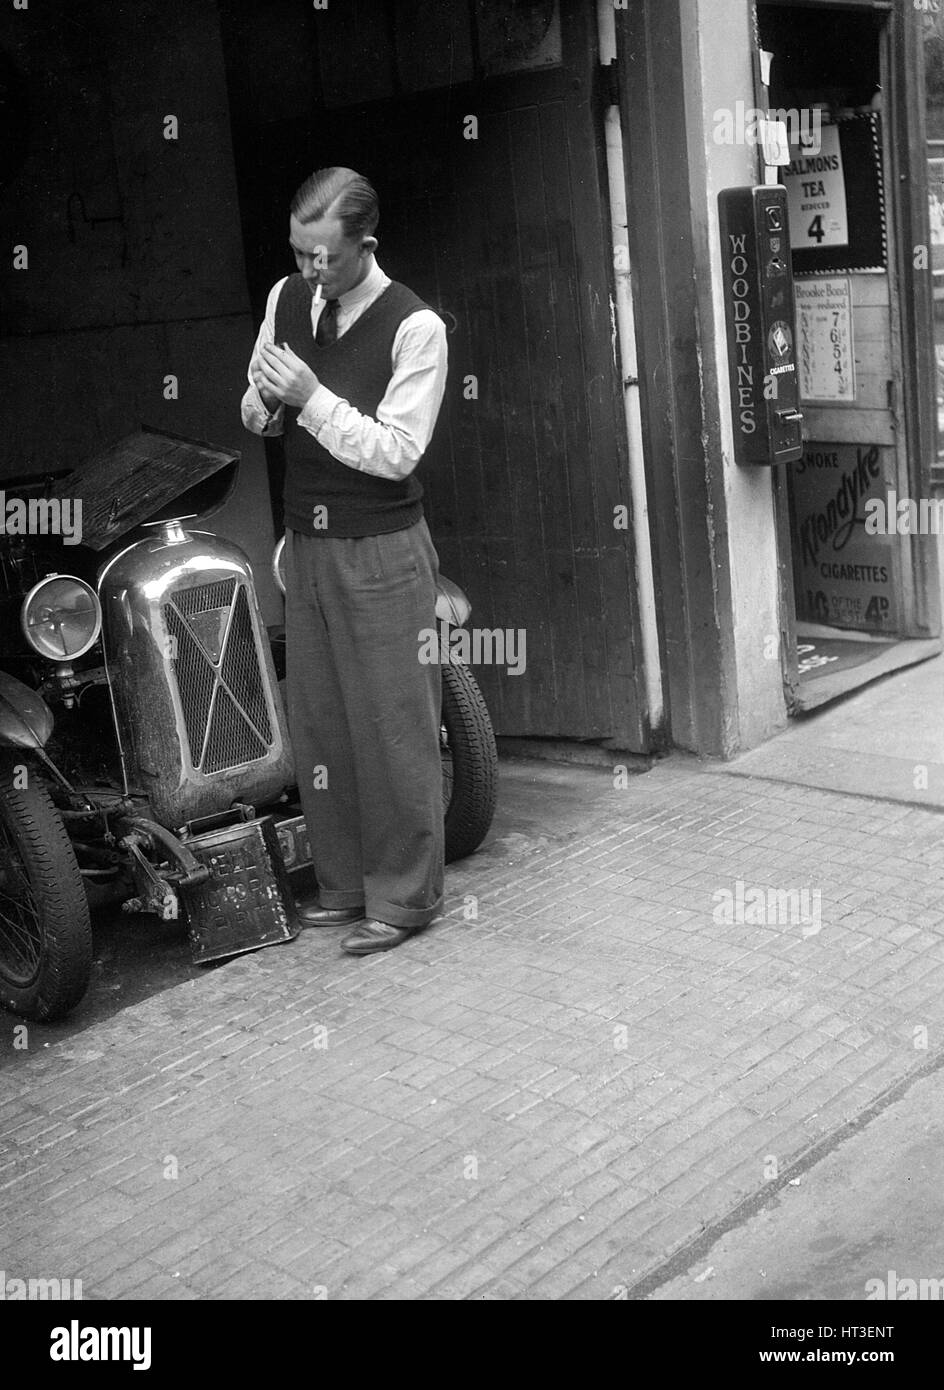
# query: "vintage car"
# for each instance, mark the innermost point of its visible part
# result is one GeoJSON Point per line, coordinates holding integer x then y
{"type": "Point", "coordinates": [144, 753]}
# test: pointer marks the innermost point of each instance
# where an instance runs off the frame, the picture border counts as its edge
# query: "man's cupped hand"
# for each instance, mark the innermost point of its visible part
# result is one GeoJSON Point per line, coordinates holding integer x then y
{"type": "Point", "coordinates": [284, 375]}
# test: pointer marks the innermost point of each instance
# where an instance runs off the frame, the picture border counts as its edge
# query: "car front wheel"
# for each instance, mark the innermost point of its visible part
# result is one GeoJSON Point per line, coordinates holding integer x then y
{"type": "Point", "coordinates": [45, 926]}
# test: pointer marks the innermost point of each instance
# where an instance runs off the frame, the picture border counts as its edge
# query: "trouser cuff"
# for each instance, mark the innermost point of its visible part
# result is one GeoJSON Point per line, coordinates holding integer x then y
{"type": "Point", "coordinates": [340, 897]}
{"type": "Point", "coordinates": [409, 917]}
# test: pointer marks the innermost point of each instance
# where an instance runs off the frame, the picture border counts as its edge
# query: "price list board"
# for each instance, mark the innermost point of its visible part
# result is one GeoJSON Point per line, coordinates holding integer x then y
{"type": "Point", "coordinates": [825, 358]}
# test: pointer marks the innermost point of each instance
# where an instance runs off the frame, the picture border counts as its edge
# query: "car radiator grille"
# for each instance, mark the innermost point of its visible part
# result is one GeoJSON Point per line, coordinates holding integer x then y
{"type": "Point", "coordinates": [220, 678]}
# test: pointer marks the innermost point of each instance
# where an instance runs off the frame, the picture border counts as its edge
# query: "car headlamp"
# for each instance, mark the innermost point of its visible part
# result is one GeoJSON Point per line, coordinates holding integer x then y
{"type": "Point", "coordinates": [61, 617]}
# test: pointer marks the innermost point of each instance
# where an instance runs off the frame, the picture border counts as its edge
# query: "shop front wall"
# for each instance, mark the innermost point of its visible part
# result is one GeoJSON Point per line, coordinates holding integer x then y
{"type": "Point", "coordinates": [684, 69]}
{"type": "Point", "coordinates": [864, 589]}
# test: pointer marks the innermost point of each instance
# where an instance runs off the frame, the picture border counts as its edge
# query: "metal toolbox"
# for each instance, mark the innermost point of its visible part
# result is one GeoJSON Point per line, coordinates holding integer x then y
{"type": "Point", "coordinates": [247, 901]}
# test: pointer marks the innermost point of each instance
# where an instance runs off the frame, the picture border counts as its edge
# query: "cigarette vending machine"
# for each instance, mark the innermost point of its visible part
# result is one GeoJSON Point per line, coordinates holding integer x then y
{"type": "Point", "coordinates": [761, 328]}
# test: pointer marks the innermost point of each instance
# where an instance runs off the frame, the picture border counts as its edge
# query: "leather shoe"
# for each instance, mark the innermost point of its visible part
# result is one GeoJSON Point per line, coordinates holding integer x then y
{"type": "Point", "coordinates": [312, 914]}
{"type": "Point", "coordinates": [373, 936]}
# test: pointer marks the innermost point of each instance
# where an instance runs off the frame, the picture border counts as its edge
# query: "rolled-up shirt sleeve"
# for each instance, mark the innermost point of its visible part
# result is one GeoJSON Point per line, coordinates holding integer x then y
{"type": "Point", "coordinates": [391, 444]}
{"type": "Point", "coordinates": [256, 417]}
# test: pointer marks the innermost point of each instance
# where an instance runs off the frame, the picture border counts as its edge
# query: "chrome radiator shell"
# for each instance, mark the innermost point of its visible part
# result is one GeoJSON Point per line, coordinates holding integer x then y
{"type": "Point", "coordinates": [198, 713]}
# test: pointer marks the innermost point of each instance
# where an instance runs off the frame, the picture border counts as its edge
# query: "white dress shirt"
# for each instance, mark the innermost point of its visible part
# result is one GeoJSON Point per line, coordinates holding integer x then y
{"type": "Point", "coordinates": [391, 445]}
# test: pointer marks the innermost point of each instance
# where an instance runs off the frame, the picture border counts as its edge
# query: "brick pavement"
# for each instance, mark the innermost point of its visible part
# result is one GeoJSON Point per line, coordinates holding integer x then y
{"type": "Point", "coordinates": [569, 1078]}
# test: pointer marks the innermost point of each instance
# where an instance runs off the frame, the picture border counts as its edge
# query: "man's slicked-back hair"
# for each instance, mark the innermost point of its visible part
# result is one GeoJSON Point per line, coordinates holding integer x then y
{"type": "Point", "coordinates": [345, 195]}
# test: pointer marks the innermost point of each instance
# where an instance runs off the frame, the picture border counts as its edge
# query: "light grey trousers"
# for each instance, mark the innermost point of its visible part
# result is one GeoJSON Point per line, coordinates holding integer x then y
{"type": "Point", "coordinates": [364, 716]}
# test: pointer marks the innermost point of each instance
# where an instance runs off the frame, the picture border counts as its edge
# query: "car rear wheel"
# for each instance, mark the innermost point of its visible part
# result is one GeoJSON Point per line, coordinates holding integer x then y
{"type": "Point", "coordinates": [470, 762]}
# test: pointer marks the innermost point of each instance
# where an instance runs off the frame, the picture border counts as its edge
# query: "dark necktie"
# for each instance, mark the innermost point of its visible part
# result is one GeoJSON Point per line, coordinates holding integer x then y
{"type": "Point", "coordinates": [327, 331]}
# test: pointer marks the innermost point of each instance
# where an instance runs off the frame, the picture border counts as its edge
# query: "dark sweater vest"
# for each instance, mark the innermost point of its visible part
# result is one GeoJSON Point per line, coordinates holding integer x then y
{"type": "Point", "coordinates": [357, 367]}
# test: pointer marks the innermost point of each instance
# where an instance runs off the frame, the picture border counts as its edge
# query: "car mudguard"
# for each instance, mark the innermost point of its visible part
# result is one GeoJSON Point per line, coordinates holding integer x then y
{"type": "Point", "coordinates": [26, 721]}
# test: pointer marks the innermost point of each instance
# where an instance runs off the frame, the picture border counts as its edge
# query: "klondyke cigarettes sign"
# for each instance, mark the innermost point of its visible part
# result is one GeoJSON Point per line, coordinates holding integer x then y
{"type": "Point", "coordinates": [843, 576]}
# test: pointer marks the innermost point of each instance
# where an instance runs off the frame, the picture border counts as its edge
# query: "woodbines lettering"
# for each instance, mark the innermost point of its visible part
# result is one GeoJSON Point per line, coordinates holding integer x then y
{"type": "Point", "coordinates": [835, 523]}
{"type": "Point", "coordinates": [743, 334]}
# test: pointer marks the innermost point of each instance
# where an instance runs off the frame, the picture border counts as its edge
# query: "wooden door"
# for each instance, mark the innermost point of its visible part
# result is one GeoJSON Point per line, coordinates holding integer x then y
{"type": "Point", "coordinates": [507, 235]}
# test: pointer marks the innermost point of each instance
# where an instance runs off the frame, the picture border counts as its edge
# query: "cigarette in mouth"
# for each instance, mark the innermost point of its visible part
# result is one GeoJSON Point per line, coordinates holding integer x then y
{"type": "Point", "coordinates": [318, 293]}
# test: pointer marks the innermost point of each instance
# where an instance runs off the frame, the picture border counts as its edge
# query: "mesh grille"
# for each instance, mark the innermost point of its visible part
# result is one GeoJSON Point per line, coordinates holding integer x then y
{"type": "Point", "coordinates": [232, 740]}
{"type": "Point", "coordinates": [239, 669]}
{"type": "Point", "coordinates": [223, 704]}
{"type": "Point", "coordinates": [204, 597]}
{"type": "Point", "coordinates": [196, 680]}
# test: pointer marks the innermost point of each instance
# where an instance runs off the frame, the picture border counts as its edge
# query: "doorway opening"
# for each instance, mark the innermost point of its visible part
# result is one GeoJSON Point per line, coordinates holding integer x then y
{"type": "Point", "coordinates": [859, 600]}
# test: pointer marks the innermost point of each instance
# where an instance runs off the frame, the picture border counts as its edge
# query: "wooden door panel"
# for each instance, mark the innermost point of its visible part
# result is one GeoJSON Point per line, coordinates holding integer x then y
{"type": "Point", "coordinates": [507, 236]}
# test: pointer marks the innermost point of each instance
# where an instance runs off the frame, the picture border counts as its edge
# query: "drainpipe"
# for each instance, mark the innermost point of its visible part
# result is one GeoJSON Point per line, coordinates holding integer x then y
{"type": "Point", "coordinates": [625, 334]}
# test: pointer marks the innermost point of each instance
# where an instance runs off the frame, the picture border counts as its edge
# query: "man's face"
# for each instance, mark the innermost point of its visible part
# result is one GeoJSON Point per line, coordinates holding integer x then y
{"type": "Point", "coordinates": [325, 256]}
